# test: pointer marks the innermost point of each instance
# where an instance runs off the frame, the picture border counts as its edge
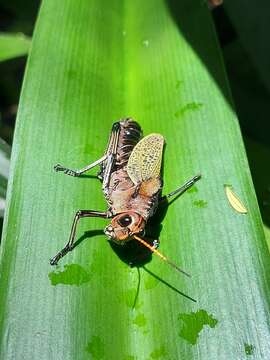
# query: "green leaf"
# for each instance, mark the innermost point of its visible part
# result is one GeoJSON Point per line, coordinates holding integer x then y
{"type": "Point", "coordinates": [92, 63]}
{"type": "Point", "coordinates": [13, 45]}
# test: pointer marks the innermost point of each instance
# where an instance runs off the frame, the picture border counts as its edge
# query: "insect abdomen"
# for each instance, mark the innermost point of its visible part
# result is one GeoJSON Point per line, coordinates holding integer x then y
{"type": "Point", "coordinates": [126, 133]}
{"type": "Point", "coordinates": [130, 134]}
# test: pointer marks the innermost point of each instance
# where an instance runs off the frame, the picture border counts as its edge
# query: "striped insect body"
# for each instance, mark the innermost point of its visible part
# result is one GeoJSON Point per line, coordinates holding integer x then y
{"type": "Point", "coordinates": [130, 171]}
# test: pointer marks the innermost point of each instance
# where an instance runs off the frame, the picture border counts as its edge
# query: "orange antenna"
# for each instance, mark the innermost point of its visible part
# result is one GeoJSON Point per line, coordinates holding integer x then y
{"type": "Point", "coordinates": [155, 251]}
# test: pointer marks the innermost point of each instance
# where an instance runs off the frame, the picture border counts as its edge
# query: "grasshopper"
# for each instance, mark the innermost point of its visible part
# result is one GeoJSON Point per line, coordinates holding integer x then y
{"type": "Point", "coordinates": [131, 183]}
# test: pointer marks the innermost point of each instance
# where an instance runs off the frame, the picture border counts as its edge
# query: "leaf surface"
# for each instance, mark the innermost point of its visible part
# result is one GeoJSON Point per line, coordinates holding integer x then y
{"type": "Point", "coordinates": [91, 63]}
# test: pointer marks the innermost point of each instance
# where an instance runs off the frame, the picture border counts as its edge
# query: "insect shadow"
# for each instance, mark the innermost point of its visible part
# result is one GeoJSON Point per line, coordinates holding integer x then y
{"type": "Point", "coordinates": [136, 254]}
{"type": "Point", "coordinates": [85, 176]}
{"type": "Point", "coordinates": [88, 234]}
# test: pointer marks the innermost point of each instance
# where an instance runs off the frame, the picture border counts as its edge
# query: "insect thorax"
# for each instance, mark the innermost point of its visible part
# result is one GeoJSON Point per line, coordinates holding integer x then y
{"type": "Point", "coordinates": [123, 195]}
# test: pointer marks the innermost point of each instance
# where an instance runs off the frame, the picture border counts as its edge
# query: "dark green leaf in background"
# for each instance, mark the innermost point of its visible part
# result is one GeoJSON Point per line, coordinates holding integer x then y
{"type": "Point", "coordinates": [13, 45]}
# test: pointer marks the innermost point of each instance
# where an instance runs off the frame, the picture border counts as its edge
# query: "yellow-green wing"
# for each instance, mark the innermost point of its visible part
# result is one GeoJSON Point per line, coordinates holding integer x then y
{"type": "Point", "coordinates": [145, 159]}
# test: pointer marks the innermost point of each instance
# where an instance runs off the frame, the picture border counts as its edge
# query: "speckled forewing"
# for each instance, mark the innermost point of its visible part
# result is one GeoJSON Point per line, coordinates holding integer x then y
{"type": "Point", "coordinates": [145, 160]}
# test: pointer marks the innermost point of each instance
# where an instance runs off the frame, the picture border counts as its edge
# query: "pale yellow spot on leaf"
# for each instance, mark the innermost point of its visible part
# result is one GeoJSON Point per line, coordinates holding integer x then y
{"type": "Point", "coordinates": [235, 201]}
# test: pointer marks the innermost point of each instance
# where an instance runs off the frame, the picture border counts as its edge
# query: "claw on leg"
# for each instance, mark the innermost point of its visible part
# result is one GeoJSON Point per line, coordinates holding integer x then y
{"type": "Point", "coordinates": [58, 167]}
{"type": "Point", "coordinates": [58, 256]}
{"type": "Point", "coordinates": [156, 244]}
{"type": "Point", "coordinates": [66, 171]}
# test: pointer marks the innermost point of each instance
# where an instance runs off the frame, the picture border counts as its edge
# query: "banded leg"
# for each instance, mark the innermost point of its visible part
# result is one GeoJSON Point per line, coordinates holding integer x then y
{"type": "Point", "coordinates": [183, 188]}
{"type": "Point", "coordinates": [71, 172]}
{"type": "Point", "coordinates": [111, 156]}
{"type": "Point", "coordinates": [69, 246]}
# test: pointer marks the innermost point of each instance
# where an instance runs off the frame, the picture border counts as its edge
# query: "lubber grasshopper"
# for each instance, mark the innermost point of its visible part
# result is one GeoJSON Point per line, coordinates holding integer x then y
{"type": "Point", "coordinates": [131, 183]}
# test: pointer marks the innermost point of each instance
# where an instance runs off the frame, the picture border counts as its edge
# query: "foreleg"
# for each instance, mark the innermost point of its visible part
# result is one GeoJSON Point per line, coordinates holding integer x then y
{"type": "Point", "coordinates": [69, 246]}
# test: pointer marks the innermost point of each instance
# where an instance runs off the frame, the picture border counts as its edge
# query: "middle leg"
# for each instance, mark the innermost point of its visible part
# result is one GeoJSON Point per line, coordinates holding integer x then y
{"type": "Point", "coordinates": [71, 172]}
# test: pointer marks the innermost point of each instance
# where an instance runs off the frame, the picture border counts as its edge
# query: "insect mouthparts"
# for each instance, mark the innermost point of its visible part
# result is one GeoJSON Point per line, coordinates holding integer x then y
{"type": "Point", "coordinates": [109, 231]}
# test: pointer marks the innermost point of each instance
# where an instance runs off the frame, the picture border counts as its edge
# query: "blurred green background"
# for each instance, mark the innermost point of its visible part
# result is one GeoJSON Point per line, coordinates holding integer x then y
{"type": "Point", "coordinates": [243, 30]}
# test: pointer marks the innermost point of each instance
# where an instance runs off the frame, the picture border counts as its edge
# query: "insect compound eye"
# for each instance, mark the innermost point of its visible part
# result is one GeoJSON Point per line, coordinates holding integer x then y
{"type": "Point", "coordinates": [125, 220]}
